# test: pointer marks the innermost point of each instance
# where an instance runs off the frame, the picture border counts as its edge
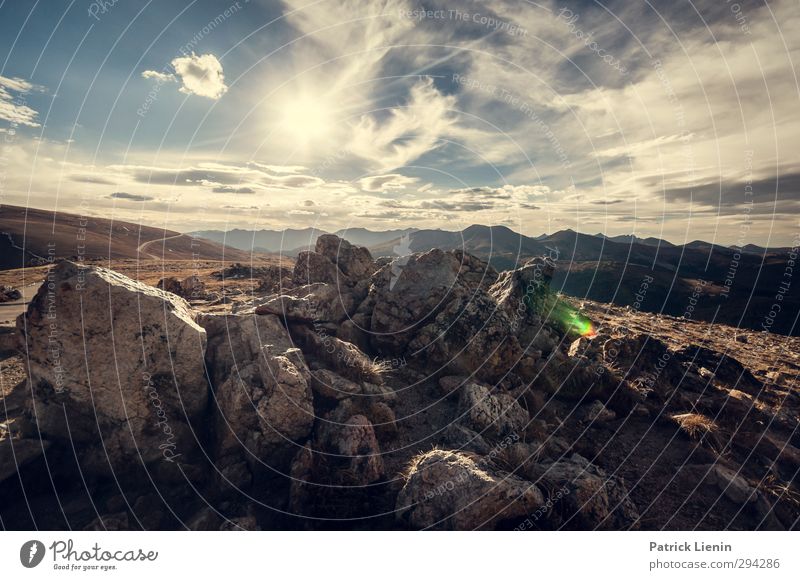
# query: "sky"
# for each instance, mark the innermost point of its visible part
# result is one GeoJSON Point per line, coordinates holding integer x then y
{"type": "Point", "coordinates": [672, 119]}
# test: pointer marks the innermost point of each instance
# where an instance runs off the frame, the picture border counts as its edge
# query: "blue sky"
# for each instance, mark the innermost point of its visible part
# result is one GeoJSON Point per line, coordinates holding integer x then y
{"type": "Point", "coordinates": [673, 119]}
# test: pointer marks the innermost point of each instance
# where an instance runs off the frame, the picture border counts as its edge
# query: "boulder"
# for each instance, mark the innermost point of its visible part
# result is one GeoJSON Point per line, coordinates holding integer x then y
{"type": "Point", "coordinates": [311, 267]}
{"type": "Point", "coordinates": [491, 412]}
{"type": "Point", "coordinates": [354, 261]}
{"type": "Point", "coordinates": [450, 490]}
{"type": "Point", "coordinates": [264, 407]}
{"type": "Point", "coordinates": [121, 361]}
{"type": "Point", "coordinates": [590, 500]}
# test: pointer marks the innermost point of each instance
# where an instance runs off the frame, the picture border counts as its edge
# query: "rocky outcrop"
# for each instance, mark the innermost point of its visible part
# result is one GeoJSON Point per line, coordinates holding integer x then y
{"type": "Point", "coordinates": [264, 408]}
{"type": "Point", "coordinates": [354, 261]}
{"type": "Point", "coordinates": [115, 367]}
{"type": "Point", "coordinates": [190, 288]}
{"type": "Point", "coordinates": [422, 392]}
{"type": "Point", "coordinates": [449, 490]}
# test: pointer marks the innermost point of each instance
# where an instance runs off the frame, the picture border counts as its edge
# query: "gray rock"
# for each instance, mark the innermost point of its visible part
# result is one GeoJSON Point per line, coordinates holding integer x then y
{"type": "Point", "coordinates": [450, 490]}
{"type": "Point", "coordinates": [109, 352]}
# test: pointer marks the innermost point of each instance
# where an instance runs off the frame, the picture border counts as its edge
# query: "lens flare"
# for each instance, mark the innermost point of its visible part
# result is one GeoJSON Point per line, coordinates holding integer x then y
{"type": "Point", "coordinates": [574, 322]}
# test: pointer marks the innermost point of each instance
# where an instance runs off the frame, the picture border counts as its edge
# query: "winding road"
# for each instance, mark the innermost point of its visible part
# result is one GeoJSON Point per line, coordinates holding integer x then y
{"type": "Point", "coordinates": [142, 249]}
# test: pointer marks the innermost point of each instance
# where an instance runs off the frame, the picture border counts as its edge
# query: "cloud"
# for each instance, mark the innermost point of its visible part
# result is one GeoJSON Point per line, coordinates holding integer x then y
{"type": "Point", "coordinates": [159, 77]}
{"type": "Point", "coordinates": [382, 183]}
{"type": "Point", "coordinates": [91, 179]}
{"type": "Point", "coordinates": [198, 74]}
{"type": "Point", "coordinates": [408, 131]}
{"type": "Point", "coordinates": [13, 108]}
{"type": "Point", "coordinates": [129, 196]}
{"type": "Point", "coordinates": [229, 189]}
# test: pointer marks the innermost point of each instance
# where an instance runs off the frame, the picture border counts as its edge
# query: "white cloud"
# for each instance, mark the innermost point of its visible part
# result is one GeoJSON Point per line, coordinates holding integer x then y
{"type": "Point", "coordinates": [12, 107]}
{"type": "Point", "coordinates": [388, 182]}
{"type": "Point", "coordinates": [159, 76]}
{"type": "Point", "coordinates": [198, 74]}
{"type": "Point", "coordinates": [410, 130]}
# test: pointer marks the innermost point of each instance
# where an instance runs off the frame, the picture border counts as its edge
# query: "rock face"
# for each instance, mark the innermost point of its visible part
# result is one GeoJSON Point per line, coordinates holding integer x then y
{"type": "Point", "coordinates": [122, 362]}
{"type": "Point", "coordinates": [439, 308]}
{"type": "Point", "coordinates": [354, 261]}
{"type": "Point", "coordinates": [264, 407]}
{"type": "Point", "coordinates": [449, 490]}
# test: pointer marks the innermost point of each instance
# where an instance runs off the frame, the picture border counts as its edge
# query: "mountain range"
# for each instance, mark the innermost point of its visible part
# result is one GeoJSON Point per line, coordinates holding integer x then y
{"type": "Point", "coordinates": [701, 280]}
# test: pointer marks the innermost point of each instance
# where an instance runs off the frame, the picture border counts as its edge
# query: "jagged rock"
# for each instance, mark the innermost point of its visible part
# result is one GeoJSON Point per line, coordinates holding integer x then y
{"type": "Point", "coordinates": [311, 267]}
{"type": "Point", "coordinates": [591, 499]}
{"type": "Point", "coordinates": [450, 490]}
{"type": "Point", "coordinates": [491, 412]}
{"type": "Point", "coordinates": [404, 302]}
{"type": "Point", "coordinates": [144, 381]}
{"type": "Point", "coordinates": [9, 339]}
{"type": "Point", "coordinates": [355, 261]}
{"type": "Point", "coordinates": [523, 292]}
{"type": "Point", "coordinates": [354, 454]}
{"type": "Point", "coordinates": [263, 399]}
{"type": "Point", "coordinates": [272, 279]}
{"type": "Point", "coordinates": [331, 472]}
{"type": "Point", "coordinates": [353, 330]}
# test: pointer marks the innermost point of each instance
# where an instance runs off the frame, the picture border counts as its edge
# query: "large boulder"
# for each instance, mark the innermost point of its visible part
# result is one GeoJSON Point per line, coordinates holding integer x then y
{"type": "Point", "coordinates": [311, 267]}
{"type": "Point", "coordinates": [333, 475]}
{"type": "Point", "coordinates": [354, 261]}
{"type": "Point", "coordinates": [116, 367]}
{"type": "Point", "coordinates": [264, 406]}
{"type": "Point", "coordinates": [439, 308]}
{"type": "Point", "coordinates": [450, 490]}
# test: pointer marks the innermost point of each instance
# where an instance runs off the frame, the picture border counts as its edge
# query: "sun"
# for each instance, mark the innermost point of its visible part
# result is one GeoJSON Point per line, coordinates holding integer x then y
{"type": "Point", "coordinates": [306, 120]}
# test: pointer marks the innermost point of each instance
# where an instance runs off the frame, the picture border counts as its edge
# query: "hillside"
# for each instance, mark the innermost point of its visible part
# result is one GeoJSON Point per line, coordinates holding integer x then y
{"type": "Point", "coordinates": [29, 236]}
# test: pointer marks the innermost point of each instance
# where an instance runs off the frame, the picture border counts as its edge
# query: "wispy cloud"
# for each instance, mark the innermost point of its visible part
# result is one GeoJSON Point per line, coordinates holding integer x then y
{"type": "Point", "coordinates": [13, 107]}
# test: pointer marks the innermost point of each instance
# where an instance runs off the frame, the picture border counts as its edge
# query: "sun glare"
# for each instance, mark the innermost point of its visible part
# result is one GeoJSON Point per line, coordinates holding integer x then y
{"type": "Point", "coordinates": [306, 119]}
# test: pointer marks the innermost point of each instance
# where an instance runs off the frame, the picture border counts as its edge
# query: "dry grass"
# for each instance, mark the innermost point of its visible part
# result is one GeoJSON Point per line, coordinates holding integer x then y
{"type": "Point", "coordinates": [699, 428]}
{"type": "Point", "coordinates": [779, 490]}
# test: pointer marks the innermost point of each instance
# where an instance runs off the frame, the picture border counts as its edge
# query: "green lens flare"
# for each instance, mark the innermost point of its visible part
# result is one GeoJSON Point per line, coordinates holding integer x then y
{"type": "Point", "coordinates": [578, 324]}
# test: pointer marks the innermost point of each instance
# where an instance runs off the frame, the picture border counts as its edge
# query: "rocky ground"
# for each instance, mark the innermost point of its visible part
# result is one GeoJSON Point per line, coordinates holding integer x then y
{"type": "Point", "coordinates": [427, 392]}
